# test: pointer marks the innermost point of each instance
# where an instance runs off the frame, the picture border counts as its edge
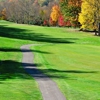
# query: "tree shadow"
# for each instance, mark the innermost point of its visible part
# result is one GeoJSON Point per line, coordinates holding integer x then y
{"type": "Point", "coordinates": [13, 70]}
{"type": "Point", "coordinates": [5, 49]}
{"type": "Point", "coordinates": [25, 35]}
{"type": "Point", "coordinates": [69, 71]}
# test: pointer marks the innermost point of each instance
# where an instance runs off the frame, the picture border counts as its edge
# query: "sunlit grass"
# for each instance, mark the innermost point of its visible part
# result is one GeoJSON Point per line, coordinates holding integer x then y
{"type": "Point", "coordinates": [70, 58]}
{"type": "Point", "coordinates": [75, 67]}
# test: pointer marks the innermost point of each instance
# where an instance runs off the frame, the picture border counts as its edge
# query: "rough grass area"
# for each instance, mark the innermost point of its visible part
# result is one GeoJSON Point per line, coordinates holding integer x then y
{"type": "Point", "coordinates": [70, 58]}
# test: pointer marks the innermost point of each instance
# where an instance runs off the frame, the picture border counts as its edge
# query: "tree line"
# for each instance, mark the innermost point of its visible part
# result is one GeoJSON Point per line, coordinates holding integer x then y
{"type": "Point", "coordinates": [76, 13]}
{"type": "Point", "coordinates": [27, 11]}
{"type": "Point", "coordinates": [49, 12]}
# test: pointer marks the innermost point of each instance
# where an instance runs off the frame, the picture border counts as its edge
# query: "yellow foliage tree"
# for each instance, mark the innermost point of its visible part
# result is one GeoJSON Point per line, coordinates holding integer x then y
{"type": "Point", "coordinates": [90, 14]}
{"type": "Point", "coordinates": [55, 12]}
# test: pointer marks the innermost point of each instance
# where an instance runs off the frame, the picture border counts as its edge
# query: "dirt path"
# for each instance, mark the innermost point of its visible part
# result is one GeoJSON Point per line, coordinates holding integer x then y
{"type": "Point", "coordinates": [47, 87]}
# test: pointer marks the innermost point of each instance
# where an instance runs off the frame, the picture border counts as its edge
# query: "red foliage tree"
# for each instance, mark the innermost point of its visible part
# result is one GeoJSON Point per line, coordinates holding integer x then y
{"type": "Point", "coordinates": [45, 23]}
{"type": "Point", "coordinates": [61, 21]}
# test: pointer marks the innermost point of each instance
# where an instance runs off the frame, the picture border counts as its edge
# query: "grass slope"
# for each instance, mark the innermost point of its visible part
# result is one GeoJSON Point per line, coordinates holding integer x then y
{"type": "Point", "coordinates": [15, 83]}
{"type": "Point", "coordinates": [70, 58]}
{"type": "Point", "coordinates": [74, 65]}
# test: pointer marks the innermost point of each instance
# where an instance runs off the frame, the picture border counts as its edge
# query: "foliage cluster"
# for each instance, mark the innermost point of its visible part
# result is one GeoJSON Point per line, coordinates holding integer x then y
{"type": "Point", "coordinates": [90, 14]}
{"type": "Point", "coordinates": [40, 12]}
{"type": "Point", "coordinates": [84, 13]}
{"type": "Point", "coordinates": [26, 11]}
{"type": "Point", "coordinates": [71, 9]}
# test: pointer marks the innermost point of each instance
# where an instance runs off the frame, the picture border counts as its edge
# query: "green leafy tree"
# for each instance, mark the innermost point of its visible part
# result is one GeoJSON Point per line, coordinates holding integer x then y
{"type": "Point", "coordinates": [71, 9]}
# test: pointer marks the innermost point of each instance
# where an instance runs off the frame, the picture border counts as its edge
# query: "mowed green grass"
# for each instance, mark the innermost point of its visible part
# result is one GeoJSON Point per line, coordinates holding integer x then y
{"type": "Point", "coordinates": [70, 58]}
{"type": "Point", "coordinates": [15, 83]}
{"type": "Point", "coordinates": [74, 66]}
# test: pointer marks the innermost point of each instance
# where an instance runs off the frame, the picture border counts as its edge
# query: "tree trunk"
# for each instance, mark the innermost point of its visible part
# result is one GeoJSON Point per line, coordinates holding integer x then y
{"type": "Point", "coordinates": [99, 29]}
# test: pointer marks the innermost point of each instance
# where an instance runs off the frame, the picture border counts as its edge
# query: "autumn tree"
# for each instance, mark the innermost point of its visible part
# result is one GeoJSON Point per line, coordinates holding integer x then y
{"type": "Point", "coordinates": [55, 13]}
{"type": "Point", "coordinates": [71, 9]}
{"type": "Point", "coordinates": [88, 18]}
{"type": "Point", "coordinates": [26, 11]}
{"type": "Point", "coordinates": [2, 11]}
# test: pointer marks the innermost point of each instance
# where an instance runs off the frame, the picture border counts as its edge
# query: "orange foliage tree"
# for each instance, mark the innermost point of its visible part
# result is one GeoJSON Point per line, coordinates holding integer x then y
{"type": "Point", "coordinates": [3, 14]}
{"type": "Point", "coordinates": [55, 12]}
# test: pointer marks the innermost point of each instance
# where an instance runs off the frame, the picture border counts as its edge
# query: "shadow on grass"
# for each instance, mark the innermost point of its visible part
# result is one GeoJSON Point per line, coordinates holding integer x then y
{"type": "Point", "coordinates": [23, 34]}
{"type": "Point", "coordinates": [69, 71]}
{"type": "Point", "coordinates": [19, 50]}
{"type": "Point", "coordinates": [13, 70]}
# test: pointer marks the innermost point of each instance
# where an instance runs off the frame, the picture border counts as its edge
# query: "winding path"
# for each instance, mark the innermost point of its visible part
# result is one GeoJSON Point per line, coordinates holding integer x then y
{"type": "Point", "coordinates": [47, 87]}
